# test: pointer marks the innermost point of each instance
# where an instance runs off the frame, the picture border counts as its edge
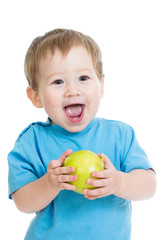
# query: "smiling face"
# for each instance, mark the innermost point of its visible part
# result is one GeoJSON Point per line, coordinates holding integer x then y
{"type": "Point", "coordinates": [69, 89]}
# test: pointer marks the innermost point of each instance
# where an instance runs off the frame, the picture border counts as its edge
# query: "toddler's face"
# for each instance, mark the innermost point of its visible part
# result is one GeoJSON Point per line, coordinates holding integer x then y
{"type": "Point", "coordinates": [69, 88]}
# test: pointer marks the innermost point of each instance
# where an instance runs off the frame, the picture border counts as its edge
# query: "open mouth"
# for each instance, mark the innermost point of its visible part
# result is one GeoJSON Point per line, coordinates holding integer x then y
{"type": "Point", "coordinates": [75, 112]}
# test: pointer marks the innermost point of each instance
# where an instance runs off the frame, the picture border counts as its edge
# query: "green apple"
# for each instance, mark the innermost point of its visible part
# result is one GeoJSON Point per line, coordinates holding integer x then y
{"type": "Point", "coordinates": [84, 162]}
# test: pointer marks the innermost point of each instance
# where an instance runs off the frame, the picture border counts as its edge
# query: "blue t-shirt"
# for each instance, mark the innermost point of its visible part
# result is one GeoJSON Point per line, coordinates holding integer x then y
{"type": "Point", "coordinates": [71, 216]}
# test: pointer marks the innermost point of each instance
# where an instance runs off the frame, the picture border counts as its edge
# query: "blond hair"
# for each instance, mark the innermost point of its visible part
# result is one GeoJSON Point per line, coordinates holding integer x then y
{"type": "Point", "coordinates": [63, 40]}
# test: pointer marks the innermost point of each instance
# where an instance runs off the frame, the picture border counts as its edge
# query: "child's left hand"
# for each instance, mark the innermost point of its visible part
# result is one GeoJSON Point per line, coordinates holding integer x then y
{"type": "Point", "coordinates": [107, 183]}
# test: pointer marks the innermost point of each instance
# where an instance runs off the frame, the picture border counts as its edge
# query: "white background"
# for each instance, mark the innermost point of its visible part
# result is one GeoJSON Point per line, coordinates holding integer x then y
{"type": "Point", "coordinates": [128, 33]}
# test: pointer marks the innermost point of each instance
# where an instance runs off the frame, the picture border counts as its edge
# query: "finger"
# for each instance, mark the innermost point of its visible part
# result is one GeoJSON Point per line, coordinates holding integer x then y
{"type": "Point", "coordinates": [95, 192]}
{"type": "Point", "coordinates": [97, 183]}
{"type": "Point", "coordinates": [64, 156]}
{"type": "Point", "coordinates": [67, 186]}
{"type": "Point", "coordinates": [93, 197]}
{"type": "Point", "coordinates": [67, 178]}
{"type": "Point", "coordinates": [107, 163]}
{"type": "Point", "coordinates": [63, 170]}
{"type": "Point", "coordinates": [58, 163]}
{"type": "Point", "coordinates": [101, 174]}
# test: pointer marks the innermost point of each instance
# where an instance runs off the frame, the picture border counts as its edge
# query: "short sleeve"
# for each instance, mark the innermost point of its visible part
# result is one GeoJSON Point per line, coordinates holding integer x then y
{"type": "Point", "coordinates": [134, 156]}
{"type": "Point", "coordinates": [21, 171]}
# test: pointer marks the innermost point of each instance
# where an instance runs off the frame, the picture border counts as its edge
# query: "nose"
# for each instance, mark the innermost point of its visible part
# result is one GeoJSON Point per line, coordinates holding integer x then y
{"type": "Point", "coordinates": [72, 91]}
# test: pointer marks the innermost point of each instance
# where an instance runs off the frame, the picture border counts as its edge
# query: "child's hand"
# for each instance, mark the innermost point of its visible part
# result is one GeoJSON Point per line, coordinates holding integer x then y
{"type": "Point", "coordinates": [58, 175]}
{"type": "Point", "coordinates": [108, 182]}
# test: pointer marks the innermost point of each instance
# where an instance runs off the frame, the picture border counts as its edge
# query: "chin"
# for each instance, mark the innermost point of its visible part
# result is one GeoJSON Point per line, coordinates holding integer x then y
{"type": "Point", "coordinates": [75, 129]}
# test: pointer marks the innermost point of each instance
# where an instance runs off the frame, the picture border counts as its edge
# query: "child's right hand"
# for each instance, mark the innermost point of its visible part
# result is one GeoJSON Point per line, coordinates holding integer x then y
{"type": "Point", "coordinates": [58, 175]}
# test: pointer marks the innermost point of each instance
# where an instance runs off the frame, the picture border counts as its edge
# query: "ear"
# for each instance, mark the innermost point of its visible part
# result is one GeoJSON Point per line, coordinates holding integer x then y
{"type": "Point", "coordinates": [102, 87]}
{"type": "Point", "coordinates": [34, 97]}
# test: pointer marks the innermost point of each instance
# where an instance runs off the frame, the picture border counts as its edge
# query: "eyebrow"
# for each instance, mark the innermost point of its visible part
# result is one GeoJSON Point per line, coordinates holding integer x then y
{"type": "Point", "coordinates": [53, 74]}
{"type": "Point", "coordinates": [61, 72]}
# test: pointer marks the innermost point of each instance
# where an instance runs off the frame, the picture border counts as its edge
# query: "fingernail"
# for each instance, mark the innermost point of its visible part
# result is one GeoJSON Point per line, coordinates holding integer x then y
{"type": "Point", "coordinates": [84, 191]}
{"type": "Point", "coordinates": [75, 177]}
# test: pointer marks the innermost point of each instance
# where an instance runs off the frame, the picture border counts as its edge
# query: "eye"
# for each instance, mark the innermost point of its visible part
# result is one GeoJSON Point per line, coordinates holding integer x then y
{"type": "Point", "coordinates": [57, 82]}
{"type": "Point", "coordinates": [83, 78]}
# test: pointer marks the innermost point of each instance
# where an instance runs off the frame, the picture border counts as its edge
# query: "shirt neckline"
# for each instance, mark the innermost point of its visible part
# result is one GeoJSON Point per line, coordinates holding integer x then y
{"type": "Point", "coordinates": [58, 129]}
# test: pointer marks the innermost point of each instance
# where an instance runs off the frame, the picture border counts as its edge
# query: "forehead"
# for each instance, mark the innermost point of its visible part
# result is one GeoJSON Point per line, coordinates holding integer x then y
{"type": "Point", "coordinates": [77, 57]}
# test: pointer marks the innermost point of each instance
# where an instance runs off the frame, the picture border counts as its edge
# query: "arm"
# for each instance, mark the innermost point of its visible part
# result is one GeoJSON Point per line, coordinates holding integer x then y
{"type": "Point", "coordinates": [138, 184]}
{"type": "Point", "coordinates": [36, 195]}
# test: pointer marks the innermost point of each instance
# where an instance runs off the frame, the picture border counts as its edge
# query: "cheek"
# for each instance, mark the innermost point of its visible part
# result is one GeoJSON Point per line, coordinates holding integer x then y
{"type": "Point", "coordinates": [94, 94]}
{"type": "Point", "coordinates": [47, 99]}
